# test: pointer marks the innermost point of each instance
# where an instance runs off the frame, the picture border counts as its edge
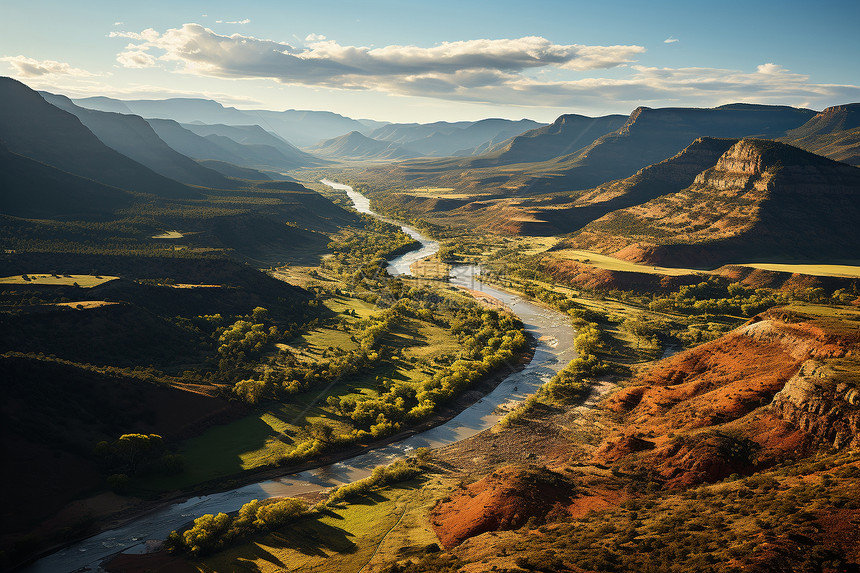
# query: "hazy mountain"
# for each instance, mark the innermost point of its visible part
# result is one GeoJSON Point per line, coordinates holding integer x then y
{"type": "Point", "coordinates": [255, 135]}
{"type": "Point", "coordinates": [32, 127]}
{"type": "Point", "coordinates": [833, 133]}
{"type": "Point", "coordinates": [132, 136]}
{"type": "Point", "coordinates": [225, 149]}
{"type": "Point", "coordinates": [35, 190]}
{"type": "Point", "coordinates": [761, 199]}
{"type": "Point", "coordinates": [567, 134]}
{"type": "Point", "coordinates": [299, 127]}
{"type": "Point", "coordinates": [355, 146]}
{"type": "Point", "coordinates": [445, 139]}
{"type": "Point", "coordinates": [406, 132]}
{"type": "Point", "coordinates": [179, 109]}
{"type": "Point", "coordinates": [304, 128]}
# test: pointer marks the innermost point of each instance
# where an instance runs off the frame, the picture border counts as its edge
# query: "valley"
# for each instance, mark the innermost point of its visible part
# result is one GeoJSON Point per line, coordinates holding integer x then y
{"type": "Point", "coordinates": [257, 340]}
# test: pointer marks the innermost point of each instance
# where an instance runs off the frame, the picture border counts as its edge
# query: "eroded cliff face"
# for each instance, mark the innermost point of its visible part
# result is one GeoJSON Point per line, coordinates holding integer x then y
{"type": "Point", "coordinates": [825, 408]}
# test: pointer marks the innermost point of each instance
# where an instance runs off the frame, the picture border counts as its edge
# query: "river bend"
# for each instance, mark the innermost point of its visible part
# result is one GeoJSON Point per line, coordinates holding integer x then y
{"type": "Point", "coordinates": [554, 350]}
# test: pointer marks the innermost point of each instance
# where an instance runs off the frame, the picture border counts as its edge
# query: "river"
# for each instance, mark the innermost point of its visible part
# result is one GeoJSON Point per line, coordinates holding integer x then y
{"type": "Point", "coordinates": [550, 328]}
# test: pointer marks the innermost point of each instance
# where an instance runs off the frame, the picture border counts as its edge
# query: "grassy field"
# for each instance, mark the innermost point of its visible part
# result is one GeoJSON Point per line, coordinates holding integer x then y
{"type": "Point", "coordinates": [613, 264]}
{"type": "Point", "coordinates": [850, 271]}
{"type": "Point", "coordinates": [389, 523]}
{"type": "Point", "coordinates": [261, 437]}
{"type": "Point", "coordinates": [83, 281]}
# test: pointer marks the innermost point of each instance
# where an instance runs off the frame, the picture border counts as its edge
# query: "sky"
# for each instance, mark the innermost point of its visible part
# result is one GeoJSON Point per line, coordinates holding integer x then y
{"type": "Point", "coordinates": [422, 61]}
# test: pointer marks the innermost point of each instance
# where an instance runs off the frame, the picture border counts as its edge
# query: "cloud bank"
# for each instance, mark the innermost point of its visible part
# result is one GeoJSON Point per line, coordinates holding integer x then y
{"type": "Point", "coordinates": [485, 71]}
{"type": "Point", "coordinates": [199, 50]}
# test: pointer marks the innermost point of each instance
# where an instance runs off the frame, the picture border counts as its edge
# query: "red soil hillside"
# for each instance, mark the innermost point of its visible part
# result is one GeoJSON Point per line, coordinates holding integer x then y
{"type": "Point", "coordinates": [503, 500]}
{"type": "Point", "coordinates": [784, 383]}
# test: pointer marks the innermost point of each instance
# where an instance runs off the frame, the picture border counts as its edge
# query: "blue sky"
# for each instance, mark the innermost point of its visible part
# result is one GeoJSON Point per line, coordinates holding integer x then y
{"type": "Point", "coordinates": [403, 60]}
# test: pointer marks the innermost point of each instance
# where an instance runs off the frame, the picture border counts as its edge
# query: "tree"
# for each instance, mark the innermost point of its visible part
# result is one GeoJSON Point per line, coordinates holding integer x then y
{"type": "Point", "coordinates": [321, 431]}
{"type": "Point", "coordinates": [138, 449]}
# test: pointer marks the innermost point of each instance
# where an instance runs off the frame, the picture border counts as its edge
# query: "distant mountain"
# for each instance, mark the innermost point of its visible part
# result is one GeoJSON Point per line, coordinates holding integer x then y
{"type": "Point", "coordinates": [406, 132]}
{"type": "Point", "coordinates": [38, 191]}
{"type": "Point", "coordinates": [355, 146]}
{"type": "Point", "coordinates": [651, 135]}
{"type": "Point", "coordinates": [225, 149]}
{"type": "Point", "coordinates": [32, 127]}
{"type": "Point", "coordinates": [833, 133]}
{"type": "Point", "coordinates": [567, 134]}
{"type": "Point", "coordinates": [446, 139]}
{"type": "Point", "coordinates": [183, 110]}
{"type": "Point", "coordinates": [299, 127]}
{"type": "Point", "coordinates": [305, 128]}
{"type": "Point", "coordinates": [255, 135]}
{"type": "Point", "coordinates": [647, 137]}
{"type": "Point", "coordinates": [760, 200]}
{"type": "Point", "coordinates": [132, 136]}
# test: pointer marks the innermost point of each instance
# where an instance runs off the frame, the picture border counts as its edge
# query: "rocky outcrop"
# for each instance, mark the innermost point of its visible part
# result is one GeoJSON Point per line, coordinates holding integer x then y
{"type": "Point", "coordinates": [815, 401]}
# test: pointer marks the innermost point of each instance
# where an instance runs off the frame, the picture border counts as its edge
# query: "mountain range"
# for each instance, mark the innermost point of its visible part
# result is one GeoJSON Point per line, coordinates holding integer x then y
{"type": "Point", "coordinates": [540, 161]}
{"type": "Point", "coordinates": [760, 200]}
{"type": "Point", "coordinates": [301, 128]}
{"type": "Point", "coordinates": [32, 127]}
{"type": "Point", "coordinates": [132, 136]}
{"type": "Point", "coordinates": [459, 138]}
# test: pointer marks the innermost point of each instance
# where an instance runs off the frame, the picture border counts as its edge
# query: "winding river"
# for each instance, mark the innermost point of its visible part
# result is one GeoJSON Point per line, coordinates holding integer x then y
{"type": "Point", "coordinates": [554, 350]}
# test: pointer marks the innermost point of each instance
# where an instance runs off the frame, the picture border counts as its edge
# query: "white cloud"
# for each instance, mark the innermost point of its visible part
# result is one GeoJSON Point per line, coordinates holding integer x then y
{"type": "Point", "coordinates": [147, 35]}
{"type": "Point", "coordinates": [245, 21]}
{"type": "Point", "coordinates": [486, 71]}
{"type": "Point", "coordinates": [325, 62]}
{"type": "Point", "coordinates": [671, 40]}
{"type": "Point", "coordinates": [135, 58]}
{"type": "Point", "coordinates": [30, 68]}
{"type": "Point", "coordinates": [118, 23]}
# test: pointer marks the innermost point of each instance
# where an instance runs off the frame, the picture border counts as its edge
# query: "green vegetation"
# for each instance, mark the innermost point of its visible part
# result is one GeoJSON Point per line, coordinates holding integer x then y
{"type": "Point", "coordinates": [348, 380]}
{"type": "Point", "coordinates": [211, 533]}
{"type": "Point", "coordinates": [214, 532]}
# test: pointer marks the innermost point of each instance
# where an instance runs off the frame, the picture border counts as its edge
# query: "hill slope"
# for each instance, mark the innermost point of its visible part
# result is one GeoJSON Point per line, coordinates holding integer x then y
{"type": "Point", "coordinates": [35, 190]}
{"type": "Point", "coordinates": [32, 127]}
{"type": "Point", "coordinates": [833, 133]}
{"type": "Point", "coordinates": [762, 199]}
{"type": "Point", "coordinates": [254, 135]}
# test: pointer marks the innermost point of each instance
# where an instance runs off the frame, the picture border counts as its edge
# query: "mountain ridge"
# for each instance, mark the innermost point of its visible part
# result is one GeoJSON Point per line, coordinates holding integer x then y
{"type": "Point", "coordinates": [761, 199]}
{"type": "Point", "coordinates": [34, 128]}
